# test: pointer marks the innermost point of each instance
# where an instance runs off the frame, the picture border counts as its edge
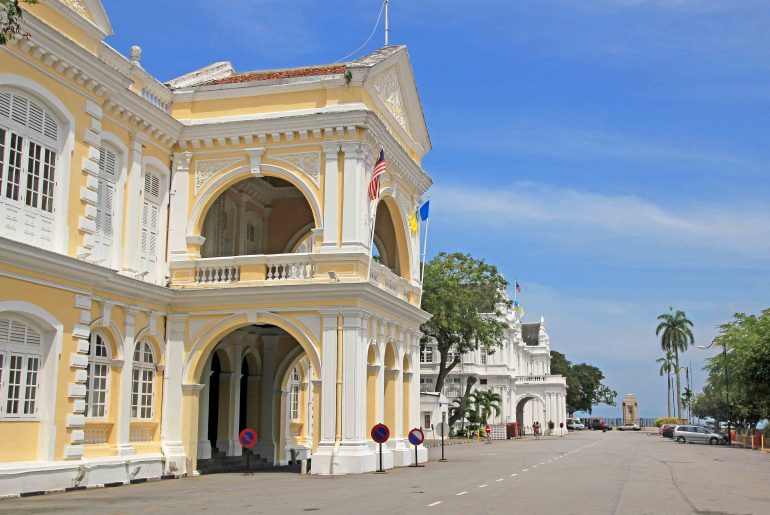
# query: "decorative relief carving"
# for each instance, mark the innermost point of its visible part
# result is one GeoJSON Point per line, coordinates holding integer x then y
{"type": "Point", "coordinates": [77, 6]}
{"type": "Point", "coordinates": [389, 92]}
{"type": "Point", "coordinates": [308, 163]}
{"type": "Point", "coordinates": [207, 168]}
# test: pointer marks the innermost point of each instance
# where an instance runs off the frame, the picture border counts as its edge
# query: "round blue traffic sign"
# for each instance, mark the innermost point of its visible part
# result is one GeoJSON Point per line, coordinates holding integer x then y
{"type": "Point", "coordinates": [416, 436]}
{"type": "Point", "coordinates": [248, 437]}
{"type": "Point", "coordinates": [380, 433]}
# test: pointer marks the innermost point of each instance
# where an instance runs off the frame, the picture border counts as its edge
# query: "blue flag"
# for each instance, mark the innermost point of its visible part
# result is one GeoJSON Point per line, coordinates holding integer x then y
{"type": "Point", "coordinates": [424, 211]}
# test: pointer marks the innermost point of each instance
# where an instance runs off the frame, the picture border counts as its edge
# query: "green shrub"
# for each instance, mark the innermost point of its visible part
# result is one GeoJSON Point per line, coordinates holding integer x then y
{"type": "Point", "coordinates": [665, 420]}
{"type": "Point", "coordinates": [551, 425]}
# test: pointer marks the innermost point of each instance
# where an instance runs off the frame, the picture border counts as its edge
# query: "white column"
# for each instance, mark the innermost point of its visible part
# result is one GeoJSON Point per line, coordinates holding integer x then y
{"type": "Point", "coordinates": [331, 212]}
{"type": "Point", "coordinates": [380, 332]}
{"type": "Point", "coordinates": [234, 446]}
{"type": "Point", "coordinates": [204, 444]}
{"type": "Point", "coordinates": [179, 211]}
{"type": "Point", "coordinates": [266, 443]}
{"type": "Point", "coordinates": [171, 413]}
{"type": "Point", "coordinates": [124, 447]}
{"type": "Point", "coordinates": [354, 380]}
{"type": "Point", "coordinates": [134, 188]}
{"type": "Point", "coordinates": [355, 218]}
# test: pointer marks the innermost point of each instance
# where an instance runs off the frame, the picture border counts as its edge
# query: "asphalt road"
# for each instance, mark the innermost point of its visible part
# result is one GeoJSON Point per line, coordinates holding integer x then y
{"type": "Point", "coordinates": [587, 472]}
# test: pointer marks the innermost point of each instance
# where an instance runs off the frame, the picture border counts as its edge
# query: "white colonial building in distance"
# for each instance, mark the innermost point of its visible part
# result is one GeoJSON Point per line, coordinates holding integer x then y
{"type": "Point", "coordinates": [519, 371]}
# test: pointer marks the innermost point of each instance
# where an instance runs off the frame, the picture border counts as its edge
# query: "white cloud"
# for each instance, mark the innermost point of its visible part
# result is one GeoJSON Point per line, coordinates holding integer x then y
{"type": "Point", "coordinates": [694, 231]}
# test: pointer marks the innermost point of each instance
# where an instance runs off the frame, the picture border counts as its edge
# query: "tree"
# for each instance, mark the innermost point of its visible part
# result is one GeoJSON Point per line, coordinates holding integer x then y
{"type": "Point", "coordinates": [667, 364]}
{"type": "Point", "coordinates": [675, 331]}
{"type": "Point", "coordinates": [462, 405]}
{"type": "Point", "coordinates": [10, 16]}
{"type": "Point", "coordinates": [584, 384]}
{"type": "Point", "coordinates": [485, 402]}
{"type": "Point", "coordinates": [466, 298]}
{"type": "Point", "coordinates": [746, 358]}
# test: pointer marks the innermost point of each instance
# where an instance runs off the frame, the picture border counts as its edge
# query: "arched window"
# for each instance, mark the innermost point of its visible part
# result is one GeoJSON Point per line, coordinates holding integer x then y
{"type": "Point", "coordinates": [20, 355]}
{"type": "Point", "coordinates": [143, 381]}
{"type": "Point", "coordinates": [150, 223]}
{"type": "Point", "coordinates": [29, 145]}
{"type": "Point", "coordinates": [294, 394]}
{"type": "Point", "coordinates": [109, 166]}
{"type": "Point", "coordinates": [98, 375]}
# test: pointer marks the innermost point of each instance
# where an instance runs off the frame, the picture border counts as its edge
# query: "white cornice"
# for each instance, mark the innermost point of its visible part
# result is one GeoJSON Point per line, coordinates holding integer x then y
{"type": "Point", "coordinates": [253, 89]}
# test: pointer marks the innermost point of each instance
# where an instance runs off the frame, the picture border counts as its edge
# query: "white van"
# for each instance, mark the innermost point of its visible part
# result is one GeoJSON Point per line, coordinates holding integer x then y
{"type": "Point", "coordinates": [574, 424]}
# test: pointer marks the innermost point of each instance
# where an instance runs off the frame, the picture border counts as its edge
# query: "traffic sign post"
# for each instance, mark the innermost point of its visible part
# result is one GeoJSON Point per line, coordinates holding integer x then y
{"type": "Point", "coordinates": [380, 434]}
{"type": "Point", "coordinates": [416, 437]}
{"type": "Point", "coordinates": [442, 428]}
{"type": "Point", "coordinates": [488, 430]}
{"type": "Point", "coordinates": [561, 429]}
{"type": "Point", "coordinates": [247, 438]}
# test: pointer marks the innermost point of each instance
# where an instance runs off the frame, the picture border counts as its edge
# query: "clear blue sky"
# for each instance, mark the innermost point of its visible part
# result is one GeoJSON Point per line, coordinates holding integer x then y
{"type": "Point", "coordinates": [614, 155]}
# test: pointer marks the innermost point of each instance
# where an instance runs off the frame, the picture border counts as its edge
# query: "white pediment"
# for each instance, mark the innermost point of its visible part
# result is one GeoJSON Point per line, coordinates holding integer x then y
{"type": "Point", "coordinates": [91, 10]}
{"type": "Point", "coordinates": [389, 92]}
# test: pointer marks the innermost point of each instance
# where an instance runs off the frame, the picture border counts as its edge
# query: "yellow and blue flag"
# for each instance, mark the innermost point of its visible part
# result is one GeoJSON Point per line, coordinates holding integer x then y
{"type": "Point", "coordinates": [424, 211]}
{"type": "Point", "coordinates": [413, 222]}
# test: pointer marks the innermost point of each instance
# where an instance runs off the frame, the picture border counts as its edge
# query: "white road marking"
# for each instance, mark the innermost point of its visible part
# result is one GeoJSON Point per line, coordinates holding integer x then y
{"type": "Point", "coordinates": [524, 470]}
{"type": "Point", "coordinates": [499, 480]}
{"type": "Point", "coordinates": [483, 486]}
{"type": "Point", "coordinates": [514, 475]}
{"type": "Point", "coordinates": [534, 466]}
{"type": "Point", "coordinates": [462, 493]}
{"type": "Point", "coordinates": [434, 504]}
{"type": "Point", "coordinates": [542, 463]}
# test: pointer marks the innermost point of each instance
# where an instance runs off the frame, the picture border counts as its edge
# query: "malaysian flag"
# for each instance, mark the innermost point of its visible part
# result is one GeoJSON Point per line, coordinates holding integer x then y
{"type": "Point", "coordinates": [374, 183]}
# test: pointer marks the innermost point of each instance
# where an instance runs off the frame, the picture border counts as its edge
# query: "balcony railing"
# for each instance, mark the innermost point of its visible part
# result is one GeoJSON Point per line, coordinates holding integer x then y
{"type": "Point", "coordinates": [263, 269]}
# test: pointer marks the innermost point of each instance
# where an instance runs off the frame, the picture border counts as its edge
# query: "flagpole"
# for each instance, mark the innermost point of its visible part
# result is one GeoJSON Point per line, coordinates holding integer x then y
{"type": "Point", "coordinates": [373, 217]}
{"type": "Point", "coordinates": [424, 251]}
{"type": "Point", "coordinates": [387, 24]}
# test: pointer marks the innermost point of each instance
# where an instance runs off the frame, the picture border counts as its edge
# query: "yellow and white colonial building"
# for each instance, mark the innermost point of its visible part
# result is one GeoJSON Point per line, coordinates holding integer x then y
{"type": "Point", "coordinates": [181, 261]}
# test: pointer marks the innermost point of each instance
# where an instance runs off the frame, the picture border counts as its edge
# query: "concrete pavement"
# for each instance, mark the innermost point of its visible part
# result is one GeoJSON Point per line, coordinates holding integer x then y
{"type": "Point", "coordinates": [587, 472]}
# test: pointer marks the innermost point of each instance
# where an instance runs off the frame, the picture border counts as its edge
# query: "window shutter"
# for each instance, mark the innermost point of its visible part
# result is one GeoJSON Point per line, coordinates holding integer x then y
{"type": "Point", "coordinates": [105, 204]}
{"type": "Point", "coordinates": [150, 227]}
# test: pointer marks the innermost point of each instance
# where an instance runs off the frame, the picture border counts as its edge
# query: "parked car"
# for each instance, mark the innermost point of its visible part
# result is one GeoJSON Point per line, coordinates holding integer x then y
{"type": "Point", "coordinates": [668, 432]}
{"type": "Point", "coordinates": [695, 434]}
{"type": "Point", "coordinates": [574, 424]}
{"type": "Point", "coordinates": [663, 428]}
{"type": "Point", "coordinates": [629, 427]}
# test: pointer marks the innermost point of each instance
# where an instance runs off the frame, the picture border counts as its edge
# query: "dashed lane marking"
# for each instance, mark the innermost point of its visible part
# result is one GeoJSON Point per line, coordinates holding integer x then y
{"type": "Point", "coordinates": [431, 505]}
{"type": "Point", "coordinates": [514, 475]}
{"type": "Point", "coordinates": [462, 493]}
{"type": "Point", "coordinates": [483, 486]}
{"type": "Point", "coordinates": [524, 470]}
{"type": "Point", "coordinates": [499, 480]}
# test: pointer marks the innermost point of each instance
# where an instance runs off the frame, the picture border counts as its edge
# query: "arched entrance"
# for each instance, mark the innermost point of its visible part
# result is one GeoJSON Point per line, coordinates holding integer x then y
{"type": "Point", "coordinates": [256, 376]}
{"type": "Point", "coordinates": [258, 215]}
{"type": "Point", "coordinates": [529, 409]}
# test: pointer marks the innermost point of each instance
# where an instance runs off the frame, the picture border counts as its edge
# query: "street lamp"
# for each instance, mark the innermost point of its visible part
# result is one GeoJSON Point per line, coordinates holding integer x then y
{"type": "Point", "coordinates": [727, 389]}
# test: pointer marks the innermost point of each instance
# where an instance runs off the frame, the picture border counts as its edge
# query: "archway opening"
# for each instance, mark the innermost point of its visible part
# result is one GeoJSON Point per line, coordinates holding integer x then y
{"type": "Point", "coordinates": [258, 215]}
{"type": "Point", "coordinates": [530, 409]}
{"type": "Point", "coordinates": [256, 376]}
{"type": "Point", "coordinates": [389, 242]}
{"type": "Point", "coordinates": [391, 385]}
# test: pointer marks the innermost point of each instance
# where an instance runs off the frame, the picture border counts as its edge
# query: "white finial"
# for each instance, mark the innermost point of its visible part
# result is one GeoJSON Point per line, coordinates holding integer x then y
{"type": "Point", "coordinates": [136, 54]}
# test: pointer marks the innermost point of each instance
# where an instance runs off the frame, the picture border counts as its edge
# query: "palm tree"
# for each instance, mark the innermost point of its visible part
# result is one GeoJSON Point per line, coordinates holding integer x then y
{"type": "Point", "coordinates": [667, 365]}
{"type": "Point", "coordinates": [675, 331]}
{"type": "Point", "coordinates": [485, 403]}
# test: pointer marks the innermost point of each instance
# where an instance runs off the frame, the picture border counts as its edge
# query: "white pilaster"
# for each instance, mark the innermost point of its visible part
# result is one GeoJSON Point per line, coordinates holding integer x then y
{"type": "Point", "coordinates": [355, 217]}
{"type": "Point", "coordinates": [171, 412]}
{"type": "Point", "coordinates": [123, 422]}
{"type": "Point", "coordinates": [179, 200]}
{"type": "Point", "coordinates": [134, 188]}
{"type": "Point", "coordinates": [331, 234]}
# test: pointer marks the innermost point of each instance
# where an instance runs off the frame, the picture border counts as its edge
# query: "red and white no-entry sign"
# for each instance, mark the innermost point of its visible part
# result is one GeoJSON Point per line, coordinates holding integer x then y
{"type": "Point", "coordinates": [488, 429]}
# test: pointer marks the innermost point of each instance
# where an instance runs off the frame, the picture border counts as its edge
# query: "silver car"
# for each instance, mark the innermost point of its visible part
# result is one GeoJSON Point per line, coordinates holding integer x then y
{"type": "Point", "coordinates": [684, 434]}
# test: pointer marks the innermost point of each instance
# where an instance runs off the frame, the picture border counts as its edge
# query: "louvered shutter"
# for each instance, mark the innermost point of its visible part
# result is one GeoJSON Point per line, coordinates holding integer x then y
{"type": "Point", "coordinates": [150, 226]}
{"type": "Point", "coordinates": [104, 207]}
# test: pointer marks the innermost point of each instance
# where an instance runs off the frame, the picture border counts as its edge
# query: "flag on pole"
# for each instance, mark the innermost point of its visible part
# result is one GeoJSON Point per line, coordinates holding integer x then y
{"type": "Point", "coordinates": [374, 182]}
{"type": "Point", "coordinates": [413, 222]}
{"type": "Point", "coordinates": [518, 288]}
{"type": "Point", "coordinates": [424, 211]}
